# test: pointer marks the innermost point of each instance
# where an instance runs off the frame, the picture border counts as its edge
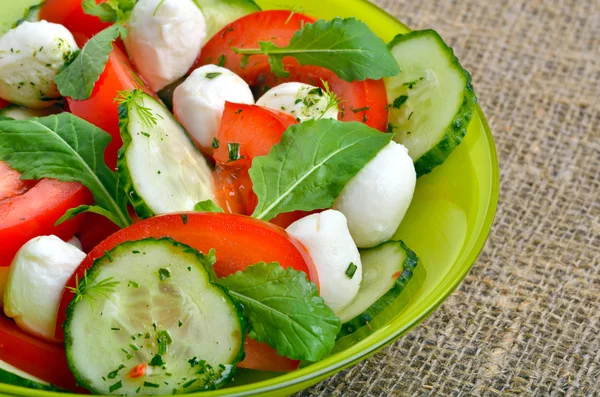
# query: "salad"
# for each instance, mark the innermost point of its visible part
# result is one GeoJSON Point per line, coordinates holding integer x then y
{"type": "Point", "coordinates": [189, 187]}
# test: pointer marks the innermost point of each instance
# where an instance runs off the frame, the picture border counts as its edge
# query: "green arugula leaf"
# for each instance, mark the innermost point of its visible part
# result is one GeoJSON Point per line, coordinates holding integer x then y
{"type": "Point", "coordinates": [207, 206]}
{"type": "Point", "coordinates": [66, 148]}
{"type": "Point", "coordinates": [78, 77]}
{"type": "Point", "coordinates": [110, 11]}
{"type": "Point", "coordinates": [345, 46]}
{"type": "Point", "coordinates": [284, 310]}
{"type": "Point", "coordinates": [311, 164]}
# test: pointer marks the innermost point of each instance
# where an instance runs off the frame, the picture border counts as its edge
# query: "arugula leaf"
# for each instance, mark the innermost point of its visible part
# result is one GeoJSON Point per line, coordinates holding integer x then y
{"type": "Point", "coordinates": [66, 148]}
{"type": "Point", "coordinates": [345, 46]}
{"type": "Point", "coordinates": [77, 78]}
{"type": "Point", "coordinates": [311, 164]}
{"type": "Point", "coordinates": [284, 310]}
{"type": "Point", "coordinates": [110, 11]}
{"type": "Point", "coordinates": [207, 206]}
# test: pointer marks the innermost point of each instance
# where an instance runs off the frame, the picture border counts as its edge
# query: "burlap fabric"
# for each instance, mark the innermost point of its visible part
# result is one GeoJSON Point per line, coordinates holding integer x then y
{"type": "Point", "coordinates": [526, 321]}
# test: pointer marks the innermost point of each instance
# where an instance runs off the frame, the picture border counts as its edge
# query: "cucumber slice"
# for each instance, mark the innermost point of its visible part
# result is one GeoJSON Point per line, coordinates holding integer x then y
{"type": "Point", "coordinates": [13, 376]}
{"type": "Point", "coordinates": [386, 270]}
{"type": "Point", "coordinates": [163, 312]}
{"type": "Point", "coordinates": [431, 100]}
{"type": "Point", "coordinates": [162, 170]}
{"type": "Point", "coordinates": [219, 13]}
{"type": "Point", "coordinates": [16, 112]}
{"type": "Point", "coordinates": [32, 14]}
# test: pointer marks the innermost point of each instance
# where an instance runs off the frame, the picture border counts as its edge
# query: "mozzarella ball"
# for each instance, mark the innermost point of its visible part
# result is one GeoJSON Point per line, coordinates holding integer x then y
{"type": "Point", "coordinates": [302, 101]}
{"type": "Point", "coordinates": [36, 280]}
{"type": "Point", "coordinates": [377, 198]}
{"type": "Point", "coordinates": [30, 56]}
{"type": "Point", "coordinates": [326, 238]}
{"type": "Point", "coordinates": [199, 101]}
{"type": "Point", "coordinates": [164, 38]}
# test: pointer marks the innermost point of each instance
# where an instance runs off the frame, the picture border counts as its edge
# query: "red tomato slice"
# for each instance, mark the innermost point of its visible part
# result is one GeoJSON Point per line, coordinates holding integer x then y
{"type": "Point", "coordinates": [100, 109]}
{"type": "Point", "coordinates": [39, 358]}
{"type": "Point", "coordinates": [256, 129]}
{"type": "Point", "coordinates": [277, 26]}
{"type": "Point", "coordinates": [96, 228]}
{"type": "Point", "coordinates": [362, 101]}
{"type": "Point", "coordinates": [262, 357]}
{"type": "Point", "coordinates": [32, 209]}
{"type": "Point", "coordinates": [3, 103]}
{"type": "Point", "coordinates": [70, 14]}
{"type": "Point", "coordinates": [239, 241]}
{"type": "Point", "coordinates": [233, 189]}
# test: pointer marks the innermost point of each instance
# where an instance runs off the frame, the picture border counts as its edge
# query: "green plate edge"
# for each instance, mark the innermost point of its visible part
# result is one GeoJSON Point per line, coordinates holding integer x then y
{"type": "Point", "coordinates": [287, 384]}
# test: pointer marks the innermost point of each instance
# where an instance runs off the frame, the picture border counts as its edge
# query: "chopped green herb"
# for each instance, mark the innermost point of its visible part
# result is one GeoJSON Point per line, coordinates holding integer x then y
{"type": "Point", "coordinates": [137, 391]}
{"type": "Point", "coordinates": [164, 339]}
{"type": "Point", "coordinates": [193, 362]}
{"type": "Point", "coordinates": [411, 84]}
{"type": "Point", "coordinates": [297, 101]}
{"type": "Point", "coordinates": [189, 383]}
{"type": "Point", "coordinates": [115, 329]}
{"type": "Point", "coordinates": [365, 119]}
{"type": "Point", "coordinates": [244, 61]}
{"type": "Point", "coordinates": [234, 151]}
{"type": "Point", "coordinates": [410, 115]}
{"type": "Point", "coordinates": [145, 134]}
{"type": "Point", "coordinates": [221, 60]}
{"type": "Point", "coordinates": [238, 111]}
{"type": "Point", "coordinates": [212, 75]}
{"type": "Point", "coordinates": [215, 143]}
{"type": "Point", "coordinates": [398, 102]}
{"type": "Point", "coordinates": [157, 361]}
{"type": "Point", "coordinates": [184, 219]}
{"type": "Point", "coordinates": [180, 323]}
{"type": "Point", "coordinates": [150, 384]}
{"type": "Point", "coordinates": [351, 270]}
{"type": "Point", "coordinates": [135, 252]}
{"type": "Point", "coordinates": [134, 347]}
{"type": "Point", "coordinates": [133, 284]}
{"type": "Point", "coordinates": [114, 373]}
{"type": "Point", "coordinates": [361, 109]}
{"type": "Point", "coordinates": [115, 387]}
{"type": "Point", "coordinates": [163, 274]}
{"type": "Point", "coordinates": [108, 255]}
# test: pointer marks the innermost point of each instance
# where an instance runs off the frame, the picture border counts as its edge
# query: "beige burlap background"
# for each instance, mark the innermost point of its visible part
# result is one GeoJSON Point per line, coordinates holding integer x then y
{"type": "Point", "coordinates": [526, 321]}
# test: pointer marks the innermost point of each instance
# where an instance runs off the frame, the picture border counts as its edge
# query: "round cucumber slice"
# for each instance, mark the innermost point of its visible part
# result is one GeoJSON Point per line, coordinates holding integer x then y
{"type": "Point", "coordinates": [387, 269]}
{"type": "Point", "coordinates": [431, 101]}
{"type": "Point", "coordinates": [151, 305]}
{"type": "Point", "coordinates": [219, 13]}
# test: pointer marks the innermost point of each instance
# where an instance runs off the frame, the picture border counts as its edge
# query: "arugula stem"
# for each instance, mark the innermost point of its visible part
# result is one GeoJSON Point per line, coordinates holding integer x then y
{"type": "Point", "coordinates": [247, 51]}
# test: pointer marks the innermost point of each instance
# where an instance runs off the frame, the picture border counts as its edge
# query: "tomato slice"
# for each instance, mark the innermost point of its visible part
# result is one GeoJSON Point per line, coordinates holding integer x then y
{"type": "Point", "coordinates": [262, 357]}
{"type": "Point", "coordinates": [70, 14]}
{"type": "Point", "coordinates": [256, 129]}
{"type": "Point", "coordinates": [44, 360]}
{"type": "Point", "coordinates": [362, 101]}
{"type": "Point", "coordinates": [239, 241]}
{"type": "Point", "coordinates": [101, 109]}
{"type": "Point", "coordinates": [277, 26]}
{"type": "Point", "coordinates": [3, 103]}
{"type": "Point", "coordinates": [30, 209]}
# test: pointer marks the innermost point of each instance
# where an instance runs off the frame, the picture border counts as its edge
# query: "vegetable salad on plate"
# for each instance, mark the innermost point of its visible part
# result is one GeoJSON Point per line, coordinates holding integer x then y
{"type": "Point", "coordinates": [188, 187]}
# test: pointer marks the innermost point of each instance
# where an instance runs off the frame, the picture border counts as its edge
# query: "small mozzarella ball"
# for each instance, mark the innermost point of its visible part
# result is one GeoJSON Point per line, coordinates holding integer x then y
{"type": "Point", "coordinates": [377, 198]}
{"type": "Point", "coordinates": [302, 101]}
{"type": "Point", "coordinates": [199, 101]}
{"type": "Point", "coordinates": [164, 38]}
{"type": "Point", "coordinates": [30, 57]}
{"type": "Point", "coordinates": [326, 238]}
{"type": "Point", "coordinates": [36, 280]}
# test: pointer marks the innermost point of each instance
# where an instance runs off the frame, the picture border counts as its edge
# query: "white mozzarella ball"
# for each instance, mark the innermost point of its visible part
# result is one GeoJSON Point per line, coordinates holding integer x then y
{"type": "Point", "coordinates": [377, 198]}
{"type": "Point", "coordinates": [30, 56]}
{"type": "Point", "coordinates": [164, 38]}
{"type": "Point", "coordinates": [302, 101]}
{"type": "Point", "coordinates": [199, 101]}
{"type": "Point", "coordinates": [326, 238]}
{"type": "Point", "coordinates": [36, 280]}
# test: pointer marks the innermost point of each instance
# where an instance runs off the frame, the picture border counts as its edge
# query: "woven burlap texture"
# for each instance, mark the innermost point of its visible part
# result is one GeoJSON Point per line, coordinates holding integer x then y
{"type": "Point", "coordinates": [526, 320]}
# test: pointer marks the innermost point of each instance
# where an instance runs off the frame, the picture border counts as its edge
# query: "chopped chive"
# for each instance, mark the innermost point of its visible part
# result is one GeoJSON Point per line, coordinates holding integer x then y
{"type": "Point", "coordinates": [364, 109]}
{"type": "Point", "coordinates": [109, 256]}
{"type": "Point", "coordinates": [193, 362]}
{"type": "Point", "coordinates": [115, 329]}
{"type": "Point", "coordinates": [297, 101]}
{"type": "Point", "coordinates": [180, 323]}
{"type": "Point", "coordinates": [351, 270]}
{"type": "Point", "coordinates": [244, 61]}
{"type": "Point", "coordinates": [189, 383]}
{"type": "Point", "coordinates": [212, 75]}
{"type": "Point", "coordinates": [150, 384]}
{"type": "Point", "coordinates": [114, 373]}
{"type": "Point", "coordinates": [184, 219]}
{"type": "Point", "coordinates": [238, 111]}
{"type": "Point", "coordinates": [115, 387]}
{"type": "Point", "coordinates": [145, 134]}
{"type": "Point", "coordinates": [221, 60]}
{"type": "Point", "coordinates": [164, 339]}
{"type": "Point", "coordinates": [134, 347]}
{"type": "Point", "coordinates": [234, 151]}
{"type": "Point", "coordinates": [215, 143]}
{"type": "Point", "coordinates": [133, 284]}
{"type": "Point", "coordinates": [157, 361]}
{"type": "Point", "coordinates": [410, 115]}
{"type": "Point", "coordinates": [137, 391]}
{"type": "Point", "coordinates": [398, 102]}
{"type": "Point", "coordinates": [163, 273]}
{"type": "Point", "coordinates": [135, 252]}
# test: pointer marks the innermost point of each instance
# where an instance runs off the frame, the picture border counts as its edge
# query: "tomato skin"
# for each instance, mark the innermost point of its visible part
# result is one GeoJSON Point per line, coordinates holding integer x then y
{"type": "Point", "coordinates": [255, 128]}
{"type": "Point", "coordinates": [239, 241]}
{"type": "Point", "coordinates": [101, 109]}
{"type": "Point", "coordinates": [42, 359]}
{"type": "Point", "coordinates": [3, 103]}
{"type": "Point", "coordinates": [70, 14]}
{"type": "Point", "coordinates": [262, 357]}
{"type": "Point", "coordinates": [34, 212]}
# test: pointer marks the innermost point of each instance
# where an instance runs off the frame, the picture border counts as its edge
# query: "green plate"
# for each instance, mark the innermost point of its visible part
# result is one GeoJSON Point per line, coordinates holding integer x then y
{"type": "Point", "coordinates": [447, 225]}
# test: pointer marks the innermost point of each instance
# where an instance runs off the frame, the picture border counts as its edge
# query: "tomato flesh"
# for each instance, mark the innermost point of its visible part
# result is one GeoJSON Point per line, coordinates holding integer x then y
{"type": "Point", "coordinates": [30, 209]}
{"type": "Point", "coordinates": [69, 13]}
{"type": "Point", "coordinates": [239, 241]}
{"type": "Point", "coordinates": [262, 357]}
{"type": "Point", "coordinates": [44, 360]}
{"type": "Point", "coordinates": [101, 109]}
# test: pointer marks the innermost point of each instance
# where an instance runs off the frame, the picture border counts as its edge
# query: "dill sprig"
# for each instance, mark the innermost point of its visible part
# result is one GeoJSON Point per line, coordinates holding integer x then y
{"type": "Point", "coordinates": [83, 289]}
{"type": "Point", "coordinates": [333, 100]}
{"type": "Point", "coordinates": [136, 97]}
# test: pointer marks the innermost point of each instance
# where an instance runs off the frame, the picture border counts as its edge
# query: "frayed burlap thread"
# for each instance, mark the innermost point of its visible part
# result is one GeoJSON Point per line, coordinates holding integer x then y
{"type": "Point", "coordinates": [526, 321]}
